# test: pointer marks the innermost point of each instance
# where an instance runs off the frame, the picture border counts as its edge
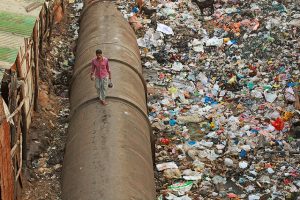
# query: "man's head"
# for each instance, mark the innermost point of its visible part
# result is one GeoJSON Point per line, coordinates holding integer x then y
{"type": "Point", "coordinates": [99, 53]}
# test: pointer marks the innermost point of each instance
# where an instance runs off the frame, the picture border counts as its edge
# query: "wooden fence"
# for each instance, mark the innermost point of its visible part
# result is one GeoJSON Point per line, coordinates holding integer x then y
{"type": "Point", "coordinates": [18, 100]}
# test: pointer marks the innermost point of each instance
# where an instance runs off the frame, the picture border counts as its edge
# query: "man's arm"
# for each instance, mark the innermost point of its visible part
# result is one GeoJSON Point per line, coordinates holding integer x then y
{"type": "Point", "coordinates": [108, 69]}
{"type": "Point", "coordinates": [92, 71]}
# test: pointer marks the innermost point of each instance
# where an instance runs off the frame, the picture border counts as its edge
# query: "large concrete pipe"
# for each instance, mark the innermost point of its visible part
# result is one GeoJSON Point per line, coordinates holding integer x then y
{"type": "Point", "coordinates": [108, 151]}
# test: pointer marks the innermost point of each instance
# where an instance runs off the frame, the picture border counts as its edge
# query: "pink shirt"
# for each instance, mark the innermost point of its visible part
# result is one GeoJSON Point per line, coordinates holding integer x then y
{"type": "Point", "coordinates": [100, 68]}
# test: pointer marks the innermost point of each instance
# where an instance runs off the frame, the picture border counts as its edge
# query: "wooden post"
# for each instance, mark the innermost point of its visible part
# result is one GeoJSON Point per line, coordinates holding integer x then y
{"type": "Point", "coordinates": [48, 21]}
{"type": "Point", "coordinates": [12, 107]}
{"type": "Point", "coordinates": [13, 102]}
{"type": "Point", "coordinates": [23, 110]}
{"type": "Point", "coordinates": [36, 64]}
{"type": "Point", "coordinates": [47, 16]}
{"type": "Point", "coordinates": [41, 29]}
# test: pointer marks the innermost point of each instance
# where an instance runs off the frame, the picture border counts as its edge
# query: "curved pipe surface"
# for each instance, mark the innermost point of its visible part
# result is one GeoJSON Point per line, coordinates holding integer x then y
{"type": "Point", "coordinates": [108, 152]}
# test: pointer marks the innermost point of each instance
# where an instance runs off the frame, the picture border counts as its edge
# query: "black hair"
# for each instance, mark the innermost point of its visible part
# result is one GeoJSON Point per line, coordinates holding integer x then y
{"type": "Point", "coordinates": [98, 51]}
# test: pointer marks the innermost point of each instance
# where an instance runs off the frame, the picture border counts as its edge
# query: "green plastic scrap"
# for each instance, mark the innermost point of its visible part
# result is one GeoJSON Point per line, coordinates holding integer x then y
{"type": "Point", "coordinates": [181, 187]}
{"type": "Point", "coordinates": [291, 139]}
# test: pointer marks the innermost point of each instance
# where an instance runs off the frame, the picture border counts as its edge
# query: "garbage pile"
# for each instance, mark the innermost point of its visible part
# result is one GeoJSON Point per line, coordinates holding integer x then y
{"type": "Point", "coordinates": [223, 96]}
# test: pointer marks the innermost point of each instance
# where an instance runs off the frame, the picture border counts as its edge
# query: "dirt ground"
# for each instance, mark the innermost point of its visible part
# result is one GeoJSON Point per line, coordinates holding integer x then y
{"type": "Point", "coordinates": [47, 135]}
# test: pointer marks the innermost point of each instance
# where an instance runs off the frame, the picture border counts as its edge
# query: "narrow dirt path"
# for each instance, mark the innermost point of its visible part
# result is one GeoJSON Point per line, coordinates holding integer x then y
{"type": "Point", "coordinates": [49, 126]}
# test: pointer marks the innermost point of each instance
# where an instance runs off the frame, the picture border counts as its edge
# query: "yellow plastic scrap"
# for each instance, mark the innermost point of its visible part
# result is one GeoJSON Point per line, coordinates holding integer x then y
{"type": "Point", "coordinates": [146, 50]}
{"type": "Point", "coordinates": [276, 85]}
{"type": "Point", "coordinates": [287, 116]}
{"type": "Point", "coordinates": [173, 90]}
{"type": "Point", "coordinates": [212, 125]}
{"type": "Point", "coordinates": [232, 80]}
{"type": "Point", "coordinates": [226, 40]}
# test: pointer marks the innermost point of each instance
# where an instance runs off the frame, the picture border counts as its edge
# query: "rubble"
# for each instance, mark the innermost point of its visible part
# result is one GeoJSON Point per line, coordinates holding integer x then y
{"type": "Point", "coordinates": [223, 98]}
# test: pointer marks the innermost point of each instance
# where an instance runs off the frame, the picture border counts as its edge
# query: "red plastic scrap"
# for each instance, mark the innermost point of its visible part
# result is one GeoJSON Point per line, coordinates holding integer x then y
{"type": "Point", "coordinates": [231, 195]}
{"type": "Point", "coordinates": [278, 124]}
{"type": "Point", "coordinates": [287, 181]}
{"type": "Point", "coordinates": [165, 141]}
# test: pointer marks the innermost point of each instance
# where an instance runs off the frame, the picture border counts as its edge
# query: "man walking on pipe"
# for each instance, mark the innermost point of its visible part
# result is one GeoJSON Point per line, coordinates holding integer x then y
{"type": "Point", "coordinates": [101, 72]}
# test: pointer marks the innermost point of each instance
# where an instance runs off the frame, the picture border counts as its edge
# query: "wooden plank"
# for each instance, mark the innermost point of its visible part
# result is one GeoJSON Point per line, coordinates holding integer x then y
{"type": "Point", "coordinates": [16, 110]}
{"type": "Point", "coordinates": [20, 159]}
{"type": "Point", "coordinates": [33, 6]}
{"type": "Point", "coordinates": [25, 53]}
{"type": "Point", "coordinates": [14, 149]}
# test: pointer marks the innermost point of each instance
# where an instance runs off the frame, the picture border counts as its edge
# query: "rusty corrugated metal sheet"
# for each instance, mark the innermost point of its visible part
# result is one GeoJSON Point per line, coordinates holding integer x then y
{"type": "Point", "coordinates": [108, 152]}
{"type": "Point", "coordinates": [6, 174]}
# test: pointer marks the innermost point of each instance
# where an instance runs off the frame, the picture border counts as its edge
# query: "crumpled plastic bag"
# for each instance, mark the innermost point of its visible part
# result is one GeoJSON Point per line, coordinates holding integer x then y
{"type": "Point", "coordinates": [165, 29]}
{"type": "Point", "coordinates": [197, 45]}
{"type": "Point", "coordinates": [168, 11]}
{"type": "Point", "coordinates": [151, 38]}
{"type": "Point", "coordinates": [191, 175]}
{"type": "Point", "coordinates": [219, 179]}
{"type": "Point", "coordinates": [290, 94]}
{"type": "Point", "coordinates": [168, 165]}
{"type": "Point", "coordinates": [270, 97]}
{"type": "Point", "coordinates": [214, 42]}
{"type": "Point", "coordinates": [254, 197]}
{"type": "Point", "coordinates": [278, 124]}
{"type": "Point", "coordinates": [256, 94]}
{"type": "Point", "coordinates": [177, 66]}
{"type": "Point", "coordinates": [181, 188]}
{"type": "Point", "coordinates": [209, 154]}
{"type": "Point", "coordinates": [203, 78]}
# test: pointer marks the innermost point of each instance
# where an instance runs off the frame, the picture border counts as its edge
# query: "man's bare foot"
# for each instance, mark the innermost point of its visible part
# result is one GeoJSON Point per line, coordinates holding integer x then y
{"type": "Point", "coordinates": [103, 102]}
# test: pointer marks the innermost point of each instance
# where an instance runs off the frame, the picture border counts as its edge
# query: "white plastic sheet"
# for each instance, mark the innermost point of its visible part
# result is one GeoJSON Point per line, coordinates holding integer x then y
{"type": "Point", "coordinates": [165, 29]}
